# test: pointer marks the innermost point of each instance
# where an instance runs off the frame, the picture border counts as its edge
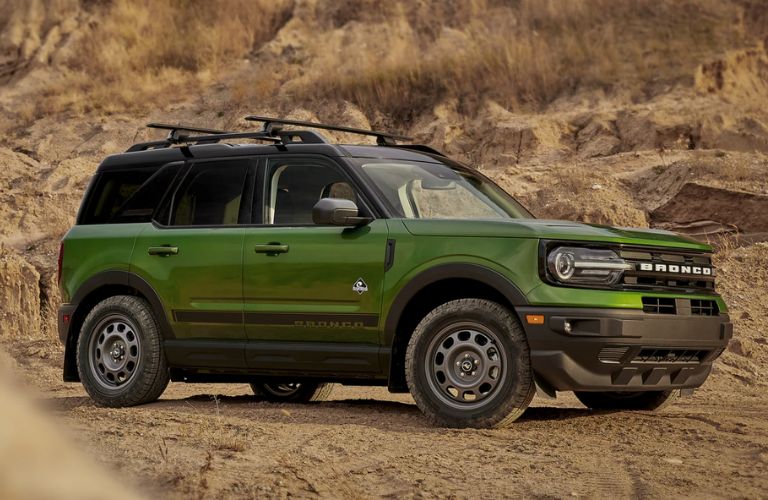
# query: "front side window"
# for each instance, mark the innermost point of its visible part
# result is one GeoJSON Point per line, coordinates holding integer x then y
{"type": "Point", "coordinates": [294, 187]}
{"type": "Point", "coordinates": [417, 190]}
{"type": "Point", "coordinates": [210, 195]}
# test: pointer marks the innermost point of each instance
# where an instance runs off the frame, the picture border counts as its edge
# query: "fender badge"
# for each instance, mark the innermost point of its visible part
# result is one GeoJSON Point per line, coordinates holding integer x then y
{"type": "Point", "coordinates": [360, 287]}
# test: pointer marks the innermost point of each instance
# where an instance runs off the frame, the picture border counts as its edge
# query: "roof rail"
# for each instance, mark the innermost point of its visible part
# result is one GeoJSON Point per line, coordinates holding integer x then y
{"type": "Point", "coordinates": [421, 148]}
{"type": "Point", "coordinates": [273, 126]}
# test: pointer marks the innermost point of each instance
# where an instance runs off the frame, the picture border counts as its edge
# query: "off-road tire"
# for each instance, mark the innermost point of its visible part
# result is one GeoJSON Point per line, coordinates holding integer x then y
{"type": "Point", "coordinates": [646, 400]}
{"type": "Point", "coordinates": [466, 318]}
{"type": "Point", "coordinates": [149, 376]}
{"type": "Point", "coordinates": [305, 392]}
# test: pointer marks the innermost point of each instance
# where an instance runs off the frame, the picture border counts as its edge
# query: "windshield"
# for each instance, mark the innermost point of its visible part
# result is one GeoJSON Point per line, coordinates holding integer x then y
{"type": "Point", "coordinates": [417, 190]}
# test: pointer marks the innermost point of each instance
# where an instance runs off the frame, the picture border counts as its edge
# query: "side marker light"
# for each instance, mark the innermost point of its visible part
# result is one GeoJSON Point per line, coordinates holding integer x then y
{"type": "Point", "coordinates": [534, 319]}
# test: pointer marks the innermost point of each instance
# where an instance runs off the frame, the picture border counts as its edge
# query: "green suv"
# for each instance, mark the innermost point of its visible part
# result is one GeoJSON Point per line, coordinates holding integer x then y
{"type": "Point", "coordinates": [292, 263]}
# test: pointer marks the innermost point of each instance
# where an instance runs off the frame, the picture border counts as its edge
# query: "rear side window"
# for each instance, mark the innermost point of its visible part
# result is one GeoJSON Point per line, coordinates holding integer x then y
{"type": "Point", "coordinates": [110, 192]}
{"type": "Point", "coordinates": [211, 195]}
{"type": "Point", "coordinates": [141, 206]}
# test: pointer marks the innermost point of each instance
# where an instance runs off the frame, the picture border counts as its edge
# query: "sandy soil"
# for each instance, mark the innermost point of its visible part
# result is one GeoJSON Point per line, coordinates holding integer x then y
{"type": "Point", "coordinates": [216, 441]}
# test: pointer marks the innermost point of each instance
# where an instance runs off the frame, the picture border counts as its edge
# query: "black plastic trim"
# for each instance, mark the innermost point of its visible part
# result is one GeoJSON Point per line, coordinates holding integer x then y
{"type": "Point", "coordinates": [389, 255]}
{"type": "Point", "coordinates": [276, 318]}
{"type": "Point", "coordinates": [567, 350]}
{"type": "Point", "coordinates": [213, 317]}
{"type": "Point", "coordinates": [448, 271]}
{"type": "Point", "coordinates": [294, 359]}
{"type": "Point", "coordinates": [290, 319]}
{"type": "Point", "coordinates": [132, 280]}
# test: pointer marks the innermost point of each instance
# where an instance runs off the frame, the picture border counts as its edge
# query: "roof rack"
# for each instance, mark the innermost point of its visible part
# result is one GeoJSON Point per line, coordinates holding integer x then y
{"type": "Point", "coordinates": [271, 132]}
{"type": "Point", "coordinates": [210, 136]}
{"type": "Point", "coordinates": [273, 126]}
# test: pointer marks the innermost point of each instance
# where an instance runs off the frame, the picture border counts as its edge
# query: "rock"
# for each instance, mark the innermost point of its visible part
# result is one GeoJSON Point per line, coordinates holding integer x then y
{"type": "Point", "coordinates": [736, 346]}
{"type": "Point", "coordinates": [694, 202]}
{"type": "Point", "coordinates": [19, 296]}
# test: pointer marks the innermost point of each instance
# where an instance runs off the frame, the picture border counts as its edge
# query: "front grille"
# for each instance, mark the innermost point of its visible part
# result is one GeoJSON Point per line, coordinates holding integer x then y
{"type": "Point", "coordinates": [652, 355]}
{"type": "Point", "coordinates": [704, 307]}
{"type": "Point", "coordinates": [655, 269]}
{"type": "Point", "coordinates": [659, 305]}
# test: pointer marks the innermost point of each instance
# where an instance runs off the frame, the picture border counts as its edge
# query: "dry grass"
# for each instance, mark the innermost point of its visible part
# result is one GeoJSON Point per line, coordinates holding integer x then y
{"type": "Point", "coordinates": [139, 53]}
{"type": "Point", "coordinates": [134, 55]}
{"type": "Point", "coordinates": [216, 435]}
{"type": "Point", "coordinates": [529, 53]}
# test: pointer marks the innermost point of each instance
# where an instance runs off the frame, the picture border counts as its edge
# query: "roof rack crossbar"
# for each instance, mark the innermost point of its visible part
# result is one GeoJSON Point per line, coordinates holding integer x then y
{"type": "Point", "coordinates": [175, 129]}
{"type": "Point", "coordinates": [382, 138]}
{"type": "Point", "coordinates": [210, 136]}
{"type": "Point", "coordinates": [272, 131]}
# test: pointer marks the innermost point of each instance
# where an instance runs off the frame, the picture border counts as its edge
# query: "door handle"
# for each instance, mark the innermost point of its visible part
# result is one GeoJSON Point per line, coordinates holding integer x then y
{"type": "Point", "coordinates": [163, 251]}
{"type": "Point", "coordinates": [271, 248]}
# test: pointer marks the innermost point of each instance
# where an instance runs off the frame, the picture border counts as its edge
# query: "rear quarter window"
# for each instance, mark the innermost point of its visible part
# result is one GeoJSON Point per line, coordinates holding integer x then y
{"type": "Point", "coordinates": [127, 196]}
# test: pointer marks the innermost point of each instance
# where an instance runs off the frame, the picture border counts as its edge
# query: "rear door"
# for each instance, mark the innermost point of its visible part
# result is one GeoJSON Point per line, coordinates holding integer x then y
{"type": "Point", "coordinates": [192, 256]}
{"type": "Point", "coordinates": [312, 294]}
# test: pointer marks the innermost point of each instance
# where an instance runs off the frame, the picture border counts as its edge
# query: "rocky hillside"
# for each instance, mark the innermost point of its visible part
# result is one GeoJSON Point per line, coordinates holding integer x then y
{"type": "Point", "coordinates": [646, 113]}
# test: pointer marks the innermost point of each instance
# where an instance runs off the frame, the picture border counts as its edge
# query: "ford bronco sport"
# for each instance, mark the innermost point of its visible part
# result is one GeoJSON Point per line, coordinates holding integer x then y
{"type": "Point", "coordinates": [292, 263]}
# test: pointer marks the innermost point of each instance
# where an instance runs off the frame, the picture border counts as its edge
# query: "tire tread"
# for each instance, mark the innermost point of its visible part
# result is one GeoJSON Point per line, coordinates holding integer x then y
{"type": "Point", "coordinates": [513, 407]}
{"type": "Point", "coordinates": [153, 378]}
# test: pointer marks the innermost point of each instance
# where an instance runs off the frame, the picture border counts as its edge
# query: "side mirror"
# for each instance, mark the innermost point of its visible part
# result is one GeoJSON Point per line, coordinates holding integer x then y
{"type": "Point", "coordinates": [337, 212]}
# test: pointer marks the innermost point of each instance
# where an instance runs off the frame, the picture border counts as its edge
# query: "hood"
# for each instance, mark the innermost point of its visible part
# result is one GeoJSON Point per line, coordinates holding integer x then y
{"type": "Point", "coordinates": [554, 230]}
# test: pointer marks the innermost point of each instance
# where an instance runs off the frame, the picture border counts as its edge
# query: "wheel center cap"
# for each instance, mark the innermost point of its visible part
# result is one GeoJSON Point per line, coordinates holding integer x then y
{"type": "Point", "coordinates": [117, 352]}
{"type": "Point", "coordinates": [466, 366]}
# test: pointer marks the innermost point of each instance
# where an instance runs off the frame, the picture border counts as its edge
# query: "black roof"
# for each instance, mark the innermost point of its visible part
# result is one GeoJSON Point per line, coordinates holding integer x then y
{"type": "Point", "coordinates": [200, 143]}
{"type": "Point", "coordinates": [159, 157]}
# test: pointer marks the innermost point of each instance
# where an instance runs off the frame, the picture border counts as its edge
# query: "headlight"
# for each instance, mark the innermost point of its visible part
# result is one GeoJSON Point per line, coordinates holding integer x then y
{"type": "Point", "coordinates": [580, 265]}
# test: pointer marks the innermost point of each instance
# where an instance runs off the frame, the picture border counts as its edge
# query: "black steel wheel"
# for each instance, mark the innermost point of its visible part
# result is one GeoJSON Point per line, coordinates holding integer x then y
{"type": "Point", "coordinates": [291, 392]}
{"type": "Point", "coordinates": [468, 365]}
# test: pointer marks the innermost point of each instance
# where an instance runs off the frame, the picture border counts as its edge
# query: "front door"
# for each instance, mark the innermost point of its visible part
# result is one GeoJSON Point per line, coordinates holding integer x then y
{"type": "Point", "coordinates": [312, 294]}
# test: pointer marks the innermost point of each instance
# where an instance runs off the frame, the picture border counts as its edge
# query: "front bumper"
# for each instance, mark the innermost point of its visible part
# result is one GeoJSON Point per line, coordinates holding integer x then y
{"type": "Point", "coordinates": [623, 349]}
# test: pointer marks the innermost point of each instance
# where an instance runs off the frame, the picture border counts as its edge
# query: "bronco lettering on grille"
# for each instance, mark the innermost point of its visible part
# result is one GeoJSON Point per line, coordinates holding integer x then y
{"type": "Point", "coordinates": [675, 269]}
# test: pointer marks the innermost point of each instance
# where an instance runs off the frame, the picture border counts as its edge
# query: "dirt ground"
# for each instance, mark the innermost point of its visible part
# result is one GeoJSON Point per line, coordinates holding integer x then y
{"type": "Point", "coordinates": [216, 441]}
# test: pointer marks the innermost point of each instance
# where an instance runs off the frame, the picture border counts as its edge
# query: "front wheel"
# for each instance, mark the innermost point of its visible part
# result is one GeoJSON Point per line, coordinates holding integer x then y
{"type": "Point", "coordinates": [646, 400]}
{"type": "Point", "coordinates": [291, 392]}
{"type": "Point", "coordinates": [468, 365]}
{"type": "Point", "coordinates": [120, 353]}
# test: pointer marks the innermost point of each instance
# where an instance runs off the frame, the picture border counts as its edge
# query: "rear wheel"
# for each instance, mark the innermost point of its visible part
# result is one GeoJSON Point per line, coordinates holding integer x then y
{"type": "Point", "coordinates": [468, 365]}
{"type": "Point", "coordinates": [120, 354]}
{"type": "Point", "coordinates": [646, 400]}
{"type": "Point", "coordinates": [291, 392]}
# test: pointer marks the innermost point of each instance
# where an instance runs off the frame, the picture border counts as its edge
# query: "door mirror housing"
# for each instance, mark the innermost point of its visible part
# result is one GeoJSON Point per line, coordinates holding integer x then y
{"type": "Point", "coordinates": [337, 212]}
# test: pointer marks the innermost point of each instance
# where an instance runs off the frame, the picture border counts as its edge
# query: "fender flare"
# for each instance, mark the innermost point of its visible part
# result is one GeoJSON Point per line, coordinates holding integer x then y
{"type": "Point", "coordinates": [448, 271]}
{"type": "Point", "coordinates": [129, 279]}
{"type": "Point", "coordinates": [103, 279]}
